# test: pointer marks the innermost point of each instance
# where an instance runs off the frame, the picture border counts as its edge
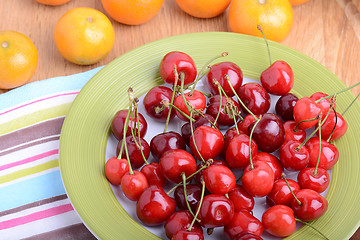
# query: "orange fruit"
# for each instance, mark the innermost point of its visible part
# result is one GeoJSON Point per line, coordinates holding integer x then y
{"type": "Point", "coordinates": [18, 59]}
{"type": "Point", "coordinates": [274, 16]}
{"type": "Point", "coordinates": [84, 36]}
{"type": "Point", "coordinates": [53, 2]}
{"type": "Point", "coordinates": [132, 12]}
{"type": "Point", "coordinates": [297, 2]}
{"type": "Point", "coordinates": [203, 8]}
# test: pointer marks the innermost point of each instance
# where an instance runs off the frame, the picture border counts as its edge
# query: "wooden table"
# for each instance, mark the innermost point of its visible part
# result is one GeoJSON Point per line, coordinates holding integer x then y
{"type": "Point", "coordinates": [326, 30]}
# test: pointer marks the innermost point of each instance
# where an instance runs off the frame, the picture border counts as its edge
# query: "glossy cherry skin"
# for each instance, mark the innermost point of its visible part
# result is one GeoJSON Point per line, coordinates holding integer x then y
{"type": "Point", "coordinates": [175, 162]}
{"type": "Point", "coordinates": [306, 109]}
{"type": "Point", "coordinates": [279, 221]}
{"type": "Point", "coordinates": [218, 72]}
{"type": "Point", "coordinates": [162, 142]}
{"type": "Point", "coordinates": [133, 185]}
{"type": "Point", "coordinates": [186, 235]}
{"type": "Point", "coordinates": [285, 106]}
{"type": "Point", "coordinates": [219, 179]}
{"type": "Point", "coordinates": [199, 176]}
{"type": "Point", "coordinates": [313, 205]}
{"type": "Point", "coordinates": [117, 124]}
{"type": "Point", "coordinates": [201, 120]}
{"type": "Point", "coordinates": [135, 156]}
{"type": "Point", "coordinates": [154, 107]}
{"type": "Point", "coordinates": [272, 161]}
{"type": "Point", "coordinates": [324, 104]}
{"type": "Point", "coordinates": [329, 153]}
{"type": "Point", "coordinates": [244, 124]}
{"type": "Point", "coordinates": [153, 174]}
{"type": "Point", "coordinates": [184, 65]}
{"type": "Point", "coordinates": [180, 220]}
{"type": "Point", "coordinates": [246, 236]}
{"type": "Point", "coordinates": [255, 98]}
{"type": "Point", "coordinates": [197, 100]}
{"type": "Point", "coordinates": [214, 107]}
{"type": "Point", "coordinates": [291, 158]}
{"type": "Point", "coordinates": [259, 181]}
{"type": "Point", "coordinates": [243, 222]}
{"type": "Point", "coordinates": [269, 133]}
{"type": "Point", "coordinates": [209, 142]}
{"type": "Point", "coordinates": [278, 79]}
{"type": "Point", "coordinates": [237, 152]}
{"type": "Point", "coordinates": [115, 170]}
{"type": "Point", "coordinates": [241, 199]}
{"type": "Point", "coordinates": [328, 126]}
{"type": "Point", "coordinates": [215, 211]}
{"type": "Point", "coordinates": [280, 193]}
{"type": "Point", "coordinates": [318, 182]}
{"type": "Point", "coordinates": [228, 136]}
{"type": "Point", "coordinates": [291, 133]}
{"type": "Point", "coordinates": [193, 192]}
{"type": "Point", "coordinates": [154, 206]}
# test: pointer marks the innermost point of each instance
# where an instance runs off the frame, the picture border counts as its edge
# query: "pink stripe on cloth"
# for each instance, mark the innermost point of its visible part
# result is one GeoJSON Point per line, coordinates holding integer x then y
{"type": "Point", "coordinates": [30, 159]}
{"type": "Point", "coordinates": [39, 100]}
{"type": "Point", "coordinates": [36, 216]}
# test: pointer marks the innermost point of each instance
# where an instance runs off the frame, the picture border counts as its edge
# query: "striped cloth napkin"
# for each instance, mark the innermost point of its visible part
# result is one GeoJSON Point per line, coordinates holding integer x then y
{"type": "Point", "coordinates": [33, 201]}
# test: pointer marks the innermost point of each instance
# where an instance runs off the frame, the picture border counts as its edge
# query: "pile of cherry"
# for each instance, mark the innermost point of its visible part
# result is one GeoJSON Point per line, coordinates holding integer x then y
{"type": "Point", "coordinates": [199, 159]}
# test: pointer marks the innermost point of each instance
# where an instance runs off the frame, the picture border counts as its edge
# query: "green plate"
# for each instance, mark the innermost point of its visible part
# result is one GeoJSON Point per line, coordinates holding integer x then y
{"type": "Point", "coordinates": [86, 129]}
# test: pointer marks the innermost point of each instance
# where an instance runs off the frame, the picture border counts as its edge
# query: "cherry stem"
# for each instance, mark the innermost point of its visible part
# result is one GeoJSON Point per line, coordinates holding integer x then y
{"type": "Point", "coordinates": [185, 194]}
{"type": "Point", "coordinates": [138, 123]}
{"type": "Point", "coordinates": [353, 101]}
{"type": "Point", "coordinates": [199, 205]}
{"type": "Point", "coordinates": [206, 118]}
{"type": "Point", "coordinates": [344, 90]}
{"type": "Point", "coordinates": [309, 225]}
{"type": "Point", "coordinates": [177, 109]}
{"type": "Point", "coordinates": [250, 137]}
{"type": "Point", "coordinates": [172, 98]}
{"type": "Point", "coordinates": [287, 183]}
{"type": "Point", "coordinates": [305, 120]}
{"type": "Point", "coordinates": [267, 44]}
{"type": "Point", "coordinates": [333, 130]}
{"type": "Point", "coordinates": [193, 138]}
{"type": "Point", "coordinates": [318, 160]}
{"type": "Point", "coordinates": [218, 114]}
{"type": "Point", "coordinates": [182, 92]}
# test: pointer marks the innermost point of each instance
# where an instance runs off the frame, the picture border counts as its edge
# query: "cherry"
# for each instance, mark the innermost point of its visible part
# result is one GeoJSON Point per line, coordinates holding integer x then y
{"type": "Point", "coordinates": [115, 170]}
{"type": "Point", "coordinates": [196, 99]}
{"type": "Point", "coordinates": [237, 152]}
{"type": "Point", "coordinates": [154, 206]}
{"type": "Point", "coordinates": [328, 126]}
{"type": "Point", "coordinates": [153, 106]}
{"type": "Point", "coordinates": [230, 134]}
{"type": "Point", "coordinates": [177, 161]}
{"type": "Point", "coordinates": [281, 194]}
{"type": "Point", "coordinates": [241, 199]}
{"type": "Point", "coordinates": [153, 174]}
{"type": "Point", "coordinates": [246, 236]}
{"type": "Point", "coordinates": [318, 182]}
{"type": "Point", "coordinates": [269, 133]}
{"type": "Point", "coordinates": [135, 155]}
{"type": "Point", "coordinates": [285, 106]}
{"type": "Point", "coordinates": [292, 157]}
{"type": "Point", "coordinates": [193, 193]}
{"type": "Point", "coordinates": [184, 65]}
{"type": "Point", "coordinates": [272, 161]}
{"type": "Point", "coordinates": [243, 222]}
{"type": "Point", "coordinates": [329, 153]}
{"type": "Point", "coordinates": [186, 235]}
{"type": "Point", "coordinates": [201, 120]}
{"type": "Point", "coordinates": [166, 141]}
{"type": "Point", "coordinates": [206, 142]}
{"type": "Point", "coordinates": [258, 181]}
{"type": "Point", "coordinates": [255, 98]}
{"type": "Point", "coordinates": [215, 211]}
{"type": "Point", "coordinates": [133, 185]}
{"type": "Point", "coordinates": [244, 124]}
{"type": "Point", "coordinates": [312, 206]}
{"type": "Point", "coordinates": [199, 176]}
{"type": "Point", "coordinates": [117, 124]}
{"type": "Point", "coordinates": [226, 108]}
{"type": "Point", "coordinates": [180, 220]}
{"type": "Point", "coordinates": [306, 109]}
{"type": "Point", "coordinates": [278, 79]}
{"type": "Point", "coordinates": [324, 104]}
{"type": "Point", "coordinates": [292, 132]}
{"type": "Point", "coordinates": [219, 71]}
{"type": "Point", "coordinates": [219, 179]}
{"type": "Point", "coordinates": [279, 221]}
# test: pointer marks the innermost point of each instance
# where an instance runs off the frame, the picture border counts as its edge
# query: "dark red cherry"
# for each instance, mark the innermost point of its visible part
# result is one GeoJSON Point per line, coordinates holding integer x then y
{"type": "Point", "coordinates": [329, 153]}
{"type": "Point", "coordinates": [241, 199]}
{"type": "Point", "coordinates": [293, 158]}
{"type": "Point", "coordinates": [255, 98]}
{"type": "Point", "coordinates": [115, 170]}
{"type": "Point", "coordinates": [291, 133]}
{"type": "Point", "coordinates": [219, 71]}
{"type": "Point", "coordinates": [153, 106]}
{"type": "Point", "coordinates": [306, 109]}
{"type": "Point", "coordinates": [279, 221]}
{"type": "Point", "coordinates": [186, 235]}
{"type": "Point", "coordinates": [193, 193]}
{"type": "Point", "coordinates": [318, 182]}
{"type": "Point", "coordinates": [153, 174]}
{"type": "Point", "coordinates": [243, 222]}
{"type": "Point", "coordinates": [324, 104]}
{"type": "Point", "coordinates": [219, 179]}
{"type": "Point", "coordinates": [237, 152]}
{"type": "Point", "coordinates": [285, 106]}
{"type": "Point", "coordinates": [184, 65]}
{"type": "Point", "coordinates": [328, 126]}
{"type": "Point", "coordinates": [162, 142]}
{"type": "Point", "coordinates": [272, 161]}
{"type": "Point", "coordinates": [229, 106]}
{"type": "Point", "coordinates": [244, 124]}
{"type": "Point", "coordinates": [197, 100]}
{"type": "Point", "coordinates": [259, 181]}
{"type": "Point", "coordinates": [134, 151]}
{"type": "Point", "coordinates": [133, 185]}
{"type": "Point", "coordinates": [117, 124]}
{"type": "Point", "coordinates": [280, 193]}
{"type": "Point", "coordinates": [180, 220]}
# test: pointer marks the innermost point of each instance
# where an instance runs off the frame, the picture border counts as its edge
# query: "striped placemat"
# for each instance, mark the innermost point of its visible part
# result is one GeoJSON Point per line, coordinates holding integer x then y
{"type": "Point", "coordinates": [33, 201]}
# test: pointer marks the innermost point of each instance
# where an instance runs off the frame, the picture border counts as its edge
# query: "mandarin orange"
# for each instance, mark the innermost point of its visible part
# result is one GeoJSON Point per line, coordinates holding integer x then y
{"type": "Point", "coordinates": [53, 2]}
{"type": "Point", "coordinates": [203, 8]}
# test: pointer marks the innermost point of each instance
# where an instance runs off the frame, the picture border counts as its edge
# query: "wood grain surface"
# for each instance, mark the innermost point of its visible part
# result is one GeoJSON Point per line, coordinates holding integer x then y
{"type": "Point", "coordinates": [325, 30]}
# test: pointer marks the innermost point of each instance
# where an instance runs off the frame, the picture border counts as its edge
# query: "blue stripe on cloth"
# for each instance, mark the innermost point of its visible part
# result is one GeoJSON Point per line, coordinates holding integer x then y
{"type": "Point", "coordinates": [31, 190]}
{"type": "Point", "coordinates": [45, 87]}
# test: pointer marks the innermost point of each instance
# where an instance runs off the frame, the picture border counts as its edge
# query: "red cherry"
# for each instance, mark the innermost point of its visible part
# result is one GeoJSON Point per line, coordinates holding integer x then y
{"type": "Point", "coordinates": [291, 133]}
{"type": "Point", "coordinates": [219, 179]}
{"type": "Point", "coordinates": [219, 71]}
{"type": "Point", "coordinates": [135, 155]}
{"type": "Point", "coordinates": [197, 100]}
{"type": "Point", "coordinates": [193, 192]}
{"type": "Point", "coordinates": [285, 106]}
{"type": "Point", "coordinates": [280, 193]}
{"type": "Point", "coordinates": [241, 199]}
{"type": "Point", "coordinates": [154, 206]}
{"type": "Point", "coordinates": [255, 98]}
{"type": "Point", "coordinates": [115, 170]}
{"type": "Point", "coordinates": [133, 185]}
{"type": "Point", "coordinates": [214, 106]}
{"type": "Point", "coordinates": [199, 176]}
{"type": "Point", "coordinates": [229, 134]}
{"type": "Point", "coordinates": [153, 174]}
{"type": "Point", "coordinates": [180, 220]}
{"type": "Point", "coordinates": [117, 124]}
{"type": "Point", "coordinates": [293, 158]}
{"type": "Point", "coordinates": [237, 152]}
{"type": "Point", "coordinates": [246, 236]}
{"type": "Point", "coordinates": [279, 221]}
{"type": "Point", "coordinates": [328, 126]}
{"type": "Point", "coordinates": [272, 161]}
{"type": "Point", "coordinates": [313, 205]}
{"type": "Point", "coordinates": [278, 79]}
{"type": "Point", "coordinates": [306, 109]}
{"type": "Point", "coordinates": [318, 182]}
{"type": "Point", "coordinates": [153, 106]}
{"type": "Point", "coordinates": [323, 104]}
{"type": "Point", "coordinates": [162, 142]}
{"type": "Point", "coordinates": [209, 142]}
{"type": "Point", "coordinates": [259, 181]}
{"type": "Point", "coordinates": [215, 211]}
{"type": "Point", "coordinates": [244, 124]}
{"type": "Point", "coordinates": [186, 235]}
{"type": "Point", "coordinates": [329, 153]}
{"type": "Point", "coordinates": [243, 222]}
{"type": "Point", "coordinates": [175, 162]}
{"type": "Point", "coordinates": [184, 64]}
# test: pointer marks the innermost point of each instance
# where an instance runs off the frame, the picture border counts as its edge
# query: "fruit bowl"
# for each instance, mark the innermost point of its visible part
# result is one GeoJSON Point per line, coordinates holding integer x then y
{"type": "Point", "coordinates": [86, 129]}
